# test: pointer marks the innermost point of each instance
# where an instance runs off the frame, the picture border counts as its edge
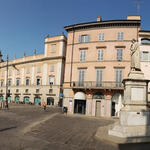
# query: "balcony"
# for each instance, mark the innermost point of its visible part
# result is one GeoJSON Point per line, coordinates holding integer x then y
{"type": "Point", "coordinates": [97, 85]}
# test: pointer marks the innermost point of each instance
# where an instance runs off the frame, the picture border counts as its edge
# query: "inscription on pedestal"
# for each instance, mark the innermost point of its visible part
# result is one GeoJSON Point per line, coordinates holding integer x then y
{"type": "Point", "coordinates": [137, 94]}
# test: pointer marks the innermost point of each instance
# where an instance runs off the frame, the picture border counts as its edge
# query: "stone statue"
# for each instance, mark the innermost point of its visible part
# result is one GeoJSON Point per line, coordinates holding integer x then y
{"type": "Point", "coordinates": [135, 56]}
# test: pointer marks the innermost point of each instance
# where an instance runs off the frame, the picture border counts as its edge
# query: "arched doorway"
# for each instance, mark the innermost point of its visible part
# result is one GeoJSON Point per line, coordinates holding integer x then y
{"type": "Point", "coordinates": [50, 101]}
{"type": "Point", "coordinates": [26, 99]}
{"type": "Point", "coordinates": [17, 99]}
{"type": "Point", "coordinates": [37, 100]}
{"type": "Point", "coordinates": [80, 103]}
{"type": "Point", "coordinates": [116, 100]}
{"type": "Point", "coordinates": [98, 96]}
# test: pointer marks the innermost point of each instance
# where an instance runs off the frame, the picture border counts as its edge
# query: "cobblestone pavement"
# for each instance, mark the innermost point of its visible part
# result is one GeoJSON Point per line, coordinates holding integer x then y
{"type": "Point", "coordinates": [30, 128]}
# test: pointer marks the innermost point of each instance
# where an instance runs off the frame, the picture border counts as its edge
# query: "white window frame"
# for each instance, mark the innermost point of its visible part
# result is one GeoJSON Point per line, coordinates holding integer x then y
{"type": "Point", "coordinates": [143, 55]}
{"type": "Point", "coordinates": [51, 68]}
{"type": "Point", "coordinates": [39, 69]}
{"type": "Point", "coordinates": [51, 80]}
{"type": "Point", "coordinates": [84, 38]}
{"type": "Point", "coordinates": [100, 54]}
{"type": "Point", "coordinates": [38, 81]}
{"type": "Point", "coordinates": [82, 55]}
{"type": "Point", "coordinates": [99, 76]}
{"type": "Point", "coordinates": [17, 82]}
{"type": "Point", "coordinates": [27, 70]}
{"type": "Point", "coordinates": [118, 77]}
{"type": "Point", "coordinates": [53, 48]}
{"type": "Point", "coordinates": [28, 81]}
{"type": "Point", "coordinates": [120, 36]}
{"type": "Point", "coordinates": [119, 55]}
{"type": "Point", "coordinates": [101, 36]}
{"type": "Point", "coordinates": [81, 77]}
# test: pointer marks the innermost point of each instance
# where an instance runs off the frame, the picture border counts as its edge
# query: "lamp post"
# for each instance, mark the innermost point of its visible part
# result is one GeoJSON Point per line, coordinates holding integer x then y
{"type": "Point", "coordinates": [6, 83]}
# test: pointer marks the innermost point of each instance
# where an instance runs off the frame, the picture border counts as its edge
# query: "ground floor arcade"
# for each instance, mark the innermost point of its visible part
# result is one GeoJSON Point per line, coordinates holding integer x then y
{"type": "Point", "coordinates": [96, 102]}
{"type": "Point", "coordinates": [32, 95]}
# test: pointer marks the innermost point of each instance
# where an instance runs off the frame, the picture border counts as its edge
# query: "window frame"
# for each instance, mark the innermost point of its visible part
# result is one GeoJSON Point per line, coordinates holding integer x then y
{"type": "Point", "coordinates": [120, 36]}
{"type": "Point", "coordinates": [119, 54]}
{"type": "Point", "coordinates": [101, 37]}
{"type": "Point", "coordinates": [100, 54]}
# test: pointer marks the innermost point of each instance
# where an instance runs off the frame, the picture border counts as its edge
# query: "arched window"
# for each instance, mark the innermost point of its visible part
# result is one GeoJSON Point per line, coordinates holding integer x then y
{"type": "Point", "coordinates": [115, 97]}
{"type": "Point", "coordinates": [98, 95]}
{"type": "Point", "coordinates": [145, 41]}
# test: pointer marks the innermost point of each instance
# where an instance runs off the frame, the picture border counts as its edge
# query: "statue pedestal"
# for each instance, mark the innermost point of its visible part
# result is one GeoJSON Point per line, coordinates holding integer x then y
{"type": "Point", "coordinates": [134, 118]}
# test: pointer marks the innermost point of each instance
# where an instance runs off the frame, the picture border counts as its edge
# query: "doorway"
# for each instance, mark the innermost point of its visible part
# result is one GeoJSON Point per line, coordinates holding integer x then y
{"type": "Point", "coordinates": [80, 106]}
{"type": "Point", "coordinates": [113, 109]}
{"type": "Point", "coordinates": [50, 101]}
{"type": "Point", "coordinates": [98, 109]}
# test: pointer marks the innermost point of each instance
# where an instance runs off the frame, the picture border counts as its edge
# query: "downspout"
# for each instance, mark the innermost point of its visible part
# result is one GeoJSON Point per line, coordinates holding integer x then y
{"type": "Point", "coordinates": [72, 56]}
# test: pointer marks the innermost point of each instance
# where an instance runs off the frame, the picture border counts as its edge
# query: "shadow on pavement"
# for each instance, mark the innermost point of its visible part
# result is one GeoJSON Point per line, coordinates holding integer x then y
{"type": "Point", "coordinates": [134, 146]}
{"type": "Point", "coordinates": [9, 128]}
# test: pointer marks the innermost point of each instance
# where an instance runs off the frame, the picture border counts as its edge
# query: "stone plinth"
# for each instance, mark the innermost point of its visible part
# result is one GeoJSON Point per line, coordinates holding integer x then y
{"type": "Point", "coordinates": [134, 118]}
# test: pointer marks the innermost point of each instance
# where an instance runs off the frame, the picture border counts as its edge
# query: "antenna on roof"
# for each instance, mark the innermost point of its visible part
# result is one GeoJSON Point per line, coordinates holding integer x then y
{"type": "Point", "coordinates": [138, 7]}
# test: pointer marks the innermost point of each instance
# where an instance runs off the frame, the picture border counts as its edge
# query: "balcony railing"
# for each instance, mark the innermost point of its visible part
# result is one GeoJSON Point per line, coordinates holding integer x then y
{"type": "Point", "coordinates": [92, 84]}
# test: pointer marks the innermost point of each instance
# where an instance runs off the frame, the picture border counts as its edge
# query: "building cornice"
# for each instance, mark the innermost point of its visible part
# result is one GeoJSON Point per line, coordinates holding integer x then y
{"type": "Point", "coordinates": [33, 61]}
{"type": "Point", "coordinates": [62, 40]}
{"type": "Point", "coordinates": [101, 24]}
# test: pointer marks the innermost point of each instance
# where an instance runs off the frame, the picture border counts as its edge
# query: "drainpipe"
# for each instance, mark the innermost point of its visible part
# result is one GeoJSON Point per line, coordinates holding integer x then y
{"type": "Point", "coordinates": [72, 56]}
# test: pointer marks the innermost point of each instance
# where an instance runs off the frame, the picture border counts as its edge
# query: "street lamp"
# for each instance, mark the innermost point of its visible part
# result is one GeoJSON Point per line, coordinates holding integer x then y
{"type": "Point", "coordinates": [6, 106]}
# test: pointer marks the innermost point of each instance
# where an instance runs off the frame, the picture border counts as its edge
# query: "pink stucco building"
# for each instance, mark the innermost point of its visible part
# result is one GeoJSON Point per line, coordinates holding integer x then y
{"type": "Point", "coordinates": [97, 59]}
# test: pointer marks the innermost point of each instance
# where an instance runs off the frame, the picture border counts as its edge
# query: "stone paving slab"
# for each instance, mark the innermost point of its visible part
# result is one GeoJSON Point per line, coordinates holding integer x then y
{"type": "Point", "coordinates": [140, 143]}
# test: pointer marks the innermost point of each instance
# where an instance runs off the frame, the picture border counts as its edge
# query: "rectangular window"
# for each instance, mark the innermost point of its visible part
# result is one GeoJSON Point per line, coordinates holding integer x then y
{"type": "Point", "coordinates": [17, 90]}
{"type": "Point", "coordinates": [37, 90]}
{"type": "Point", "coordinates": [27, 70]}
{"type": "Point", "coordinates": [100, 55]}
{"type": "Point", "coordinates": [84, 38]}
{"type": "Point", "coordinates": [9, 82]}
{"type": "Point", "coordinates": [53, 48]}
{"type": "Point", "coordinates": [119, 54]}
{"type": "Point", "coordinates": [51, 80]}
{"type": "Point", "coordinates": [27, 81]}
{"type": "Point", "coordinates": [81, 77]}
{"type": "Point", "coordinates": [38, 69]}
{"type": "Point", "coordinates": [118, 77]}
{"type": "Point", "coordinates": [52, 68]}
{"type": "Point", "coordinates": [17, 82]}
{"type": "Point", "coordinates": [2, 83]}
{"type": "Point", "coordinates": [101, 37]}
{"type": "Point", "coordinates": [38, 81]}
{"type": "Point", "coordinates": [82, 55]}
{"type": "Point", "coordinates": [50, 91]}
{"type": "Point", "coordinates": [99, 77]}
{"type": "Point", "coordinates": [145, 56]}
{"type": "Point", "coordinates": [120, 36]}
{"type": "Point", "coordinates": [26, 90]}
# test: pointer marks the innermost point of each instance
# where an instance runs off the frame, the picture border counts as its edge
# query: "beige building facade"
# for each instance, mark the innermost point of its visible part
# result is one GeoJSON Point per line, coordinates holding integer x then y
{"type": "Point", "coordinates": [37, 78]}
{"type": "Point", "coordinates": [97, 59]}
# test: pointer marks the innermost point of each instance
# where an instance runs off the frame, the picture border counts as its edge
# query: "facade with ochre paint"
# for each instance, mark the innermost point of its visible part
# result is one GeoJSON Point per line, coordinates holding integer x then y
{"type": "Point", "coordinates": [37, 78]}
{"type": "Point", "coordinates": [97, 59]}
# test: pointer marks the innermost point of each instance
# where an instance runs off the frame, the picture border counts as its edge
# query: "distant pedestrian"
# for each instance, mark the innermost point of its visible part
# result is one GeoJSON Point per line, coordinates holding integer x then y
{"type": "Point", "coordinates": [65, 110]}
{"type": "Point", "coordinates": [44, 105]}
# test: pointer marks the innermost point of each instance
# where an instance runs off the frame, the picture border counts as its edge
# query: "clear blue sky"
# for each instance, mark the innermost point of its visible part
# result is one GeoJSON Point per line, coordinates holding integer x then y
{"type": "Point", "coordinates": [25, 23]}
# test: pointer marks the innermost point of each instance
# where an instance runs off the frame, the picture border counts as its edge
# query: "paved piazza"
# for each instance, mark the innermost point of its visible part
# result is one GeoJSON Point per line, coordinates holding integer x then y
{"type": "Point", "coordinates": [26, 127]}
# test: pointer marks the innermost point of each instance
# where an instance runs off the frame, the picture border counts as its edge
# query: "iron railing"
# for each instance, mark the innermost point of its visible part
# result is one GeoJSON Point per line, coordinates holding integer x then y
{"type": "Point", "coordinates": [93, 84]}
